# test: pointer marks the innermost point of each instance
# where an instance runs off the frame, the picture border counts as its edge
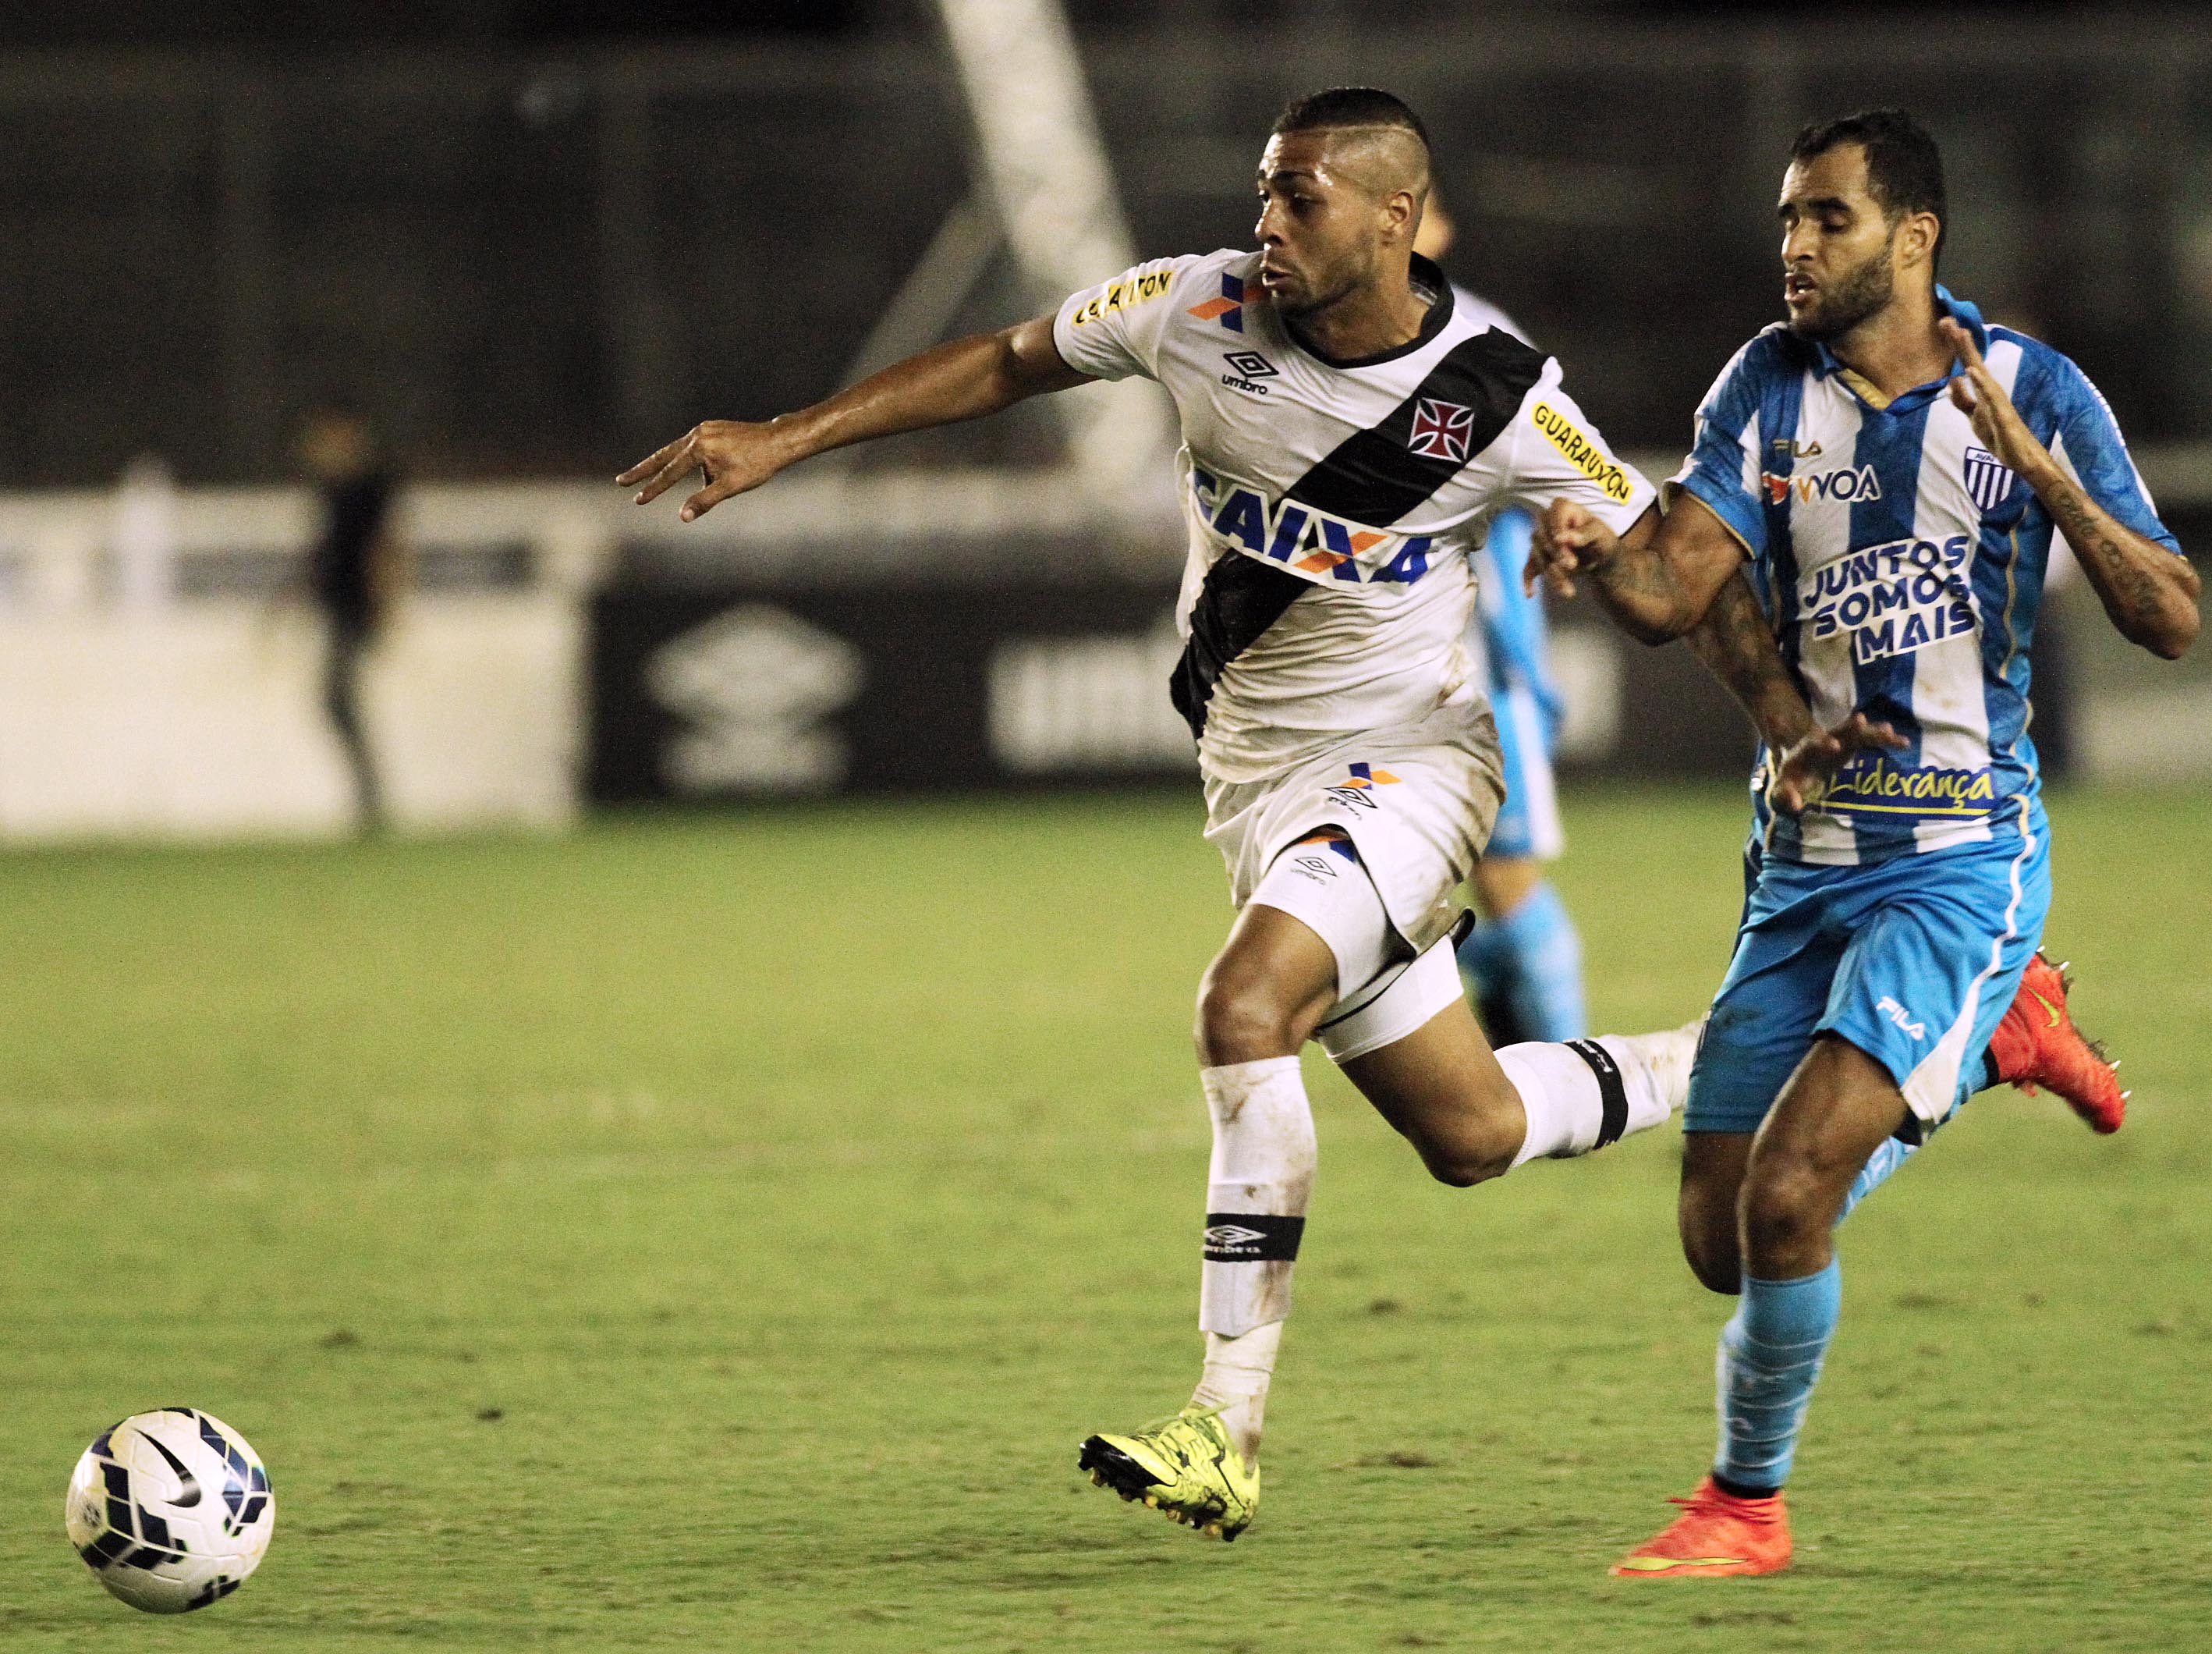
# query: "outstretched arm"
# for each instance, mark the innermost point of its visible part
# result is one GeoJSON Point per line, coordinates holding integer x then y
{"type": "Point", "coordinates": [1657, 580]}
{"type": "Point", "coordinates": [1736, 643]}
{"type": "Point", "coordinates": [964, 380]}
{"type": "Point", "coordinates": [2149, 594]}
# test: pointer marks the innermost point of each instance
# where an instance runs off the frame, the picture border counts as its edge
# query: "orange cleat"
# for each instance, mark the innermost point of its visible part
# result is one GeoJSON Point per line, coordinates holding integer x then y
{"type": "Point", "coordinates": [2038, 1044]}
{"type": "Point", "coordinates": [1716, 1534]}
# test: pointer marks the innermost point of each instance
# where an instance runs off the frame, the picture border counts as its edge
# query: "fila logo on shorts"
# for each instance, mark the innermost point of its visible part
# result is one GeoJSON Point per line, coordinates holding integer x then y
{"type": "Point", "coordinates": [1441, 429]}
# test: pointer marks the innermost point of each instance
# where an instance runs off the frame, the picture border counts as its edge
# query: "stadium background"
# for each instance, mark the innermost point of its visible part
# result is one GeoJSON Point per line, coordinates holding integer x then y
{"type": "Point", "coordinates": [515, 1126]}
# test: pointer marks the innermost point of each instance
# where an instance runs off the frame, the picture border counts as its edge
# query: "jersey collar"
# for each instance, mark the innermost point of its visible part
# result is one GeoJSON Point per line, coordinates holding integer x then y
{"type": "Point", "coordinates": [1425, 275]}
{"type": "Point", "coordinates": [1959, 310]}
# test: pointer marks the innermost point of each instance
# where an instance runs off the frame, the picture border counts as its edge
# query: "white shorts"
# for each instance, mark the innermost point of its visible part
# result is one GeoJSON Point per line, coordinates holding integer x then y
{"type": "Point", "coordinates": [1417, 802]}
{"type": "Point", "coordinates": [1382, 994]}
{"type": "Point", "coordinates": [1416, 807]}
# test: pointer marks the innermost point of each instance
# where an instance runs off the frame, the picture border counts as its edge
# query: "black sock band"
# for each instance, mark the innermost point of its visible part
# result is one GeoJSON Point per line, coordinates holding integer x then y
{"type": "Point", "coordinates": [1741, 1490]}
{"type": "Point", "coordinates": [1612, 1095]}
{"type": "Point", "coordinates": [1252, 1237]}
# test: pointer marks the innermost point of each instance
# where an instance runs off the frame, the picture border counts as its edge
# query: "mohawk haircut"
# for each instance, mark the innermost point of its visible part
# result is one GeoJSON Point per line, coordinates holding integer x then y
{"type": "Point", "coordinates": [1349, 106]}
{"type": "Point", "coordinates": [1904, 169]}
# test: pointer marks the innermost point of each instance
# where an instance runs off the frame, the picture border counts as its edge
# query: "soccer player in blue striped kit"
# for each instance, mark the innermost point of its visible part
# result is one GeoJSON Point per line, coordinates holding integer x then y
{"type": "Point", "coordinates": [1893, 470]}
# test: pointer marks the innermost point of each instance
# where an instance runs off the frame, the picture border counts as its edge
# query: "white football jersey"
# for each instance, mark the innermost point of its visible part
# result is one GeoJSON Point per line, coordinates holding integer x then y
{"type": "Point", "coordinates": [1333, 506]}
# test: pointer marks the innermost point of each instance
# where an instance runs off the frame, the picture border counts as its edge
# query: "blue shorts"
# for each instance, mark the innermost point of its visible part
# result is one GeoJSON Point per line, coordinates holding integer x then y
{"type": "Point", "coordinates": [1914, 960]}
{"type": "Point", "coordinates": [1528, 821]}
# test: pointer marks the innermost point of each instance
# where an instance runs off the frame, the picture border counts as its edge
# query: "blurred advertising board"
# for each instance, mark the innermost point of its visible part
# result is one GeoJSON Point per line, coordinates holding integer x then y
{"type": "Point", "coordinates": [704, 690]}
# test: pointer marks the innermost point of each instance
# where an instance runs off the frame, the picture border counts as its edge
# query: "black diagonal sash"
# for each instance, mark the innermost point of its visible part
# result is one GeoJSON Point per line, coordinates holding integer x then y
{"type": "Point", "coordinates": [1371, 477]}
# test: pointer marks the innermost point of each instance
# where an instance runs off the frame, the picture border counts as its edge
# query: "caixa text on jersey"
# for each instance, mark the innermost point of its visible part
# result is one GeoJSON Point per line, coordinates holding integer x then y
{"type": "Point", "coordinates": [1308, 542]}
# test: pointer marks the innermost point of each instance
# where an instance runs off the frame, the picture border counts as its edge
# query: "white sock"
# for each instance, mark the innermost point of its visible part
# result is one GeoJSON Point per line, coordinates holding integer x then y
{"type": "Point", "coordinates": [1257, 1184]}
{"type": "Point", "coordinates": [1237, 1371]}
{"type": "Point", "coordinates": [1565, 1089]}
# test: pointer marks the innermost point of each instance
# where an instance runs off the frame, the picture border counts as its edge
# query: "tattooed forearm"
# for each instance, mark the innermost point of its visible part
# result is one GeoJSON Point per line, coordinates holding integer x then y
{"type": "Point", "coordinates": [1737, 645]}
{"type": "Point", "coordinates": [1644, 594]}
{"type": "Point", "coordinates": [2149, 594]}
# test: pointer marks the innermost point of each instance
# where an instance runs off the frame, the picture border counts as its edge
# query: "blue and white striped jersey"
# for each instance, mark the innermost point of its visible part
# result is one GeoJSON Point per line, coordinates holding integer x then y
{"type": "Point", "coordinates": [1903, 568]}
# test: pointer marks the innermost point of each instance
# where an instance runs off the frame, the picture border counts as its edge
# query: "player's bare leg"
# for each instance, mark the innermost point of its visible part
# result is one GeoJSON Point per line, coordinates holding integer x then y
{"type": "Point", "coordinates": [1470, 1113]}
{"type": "Point", "coordinates": [1836, 1111]}
{"type": "Point", "coordinates": [2035, 1043]}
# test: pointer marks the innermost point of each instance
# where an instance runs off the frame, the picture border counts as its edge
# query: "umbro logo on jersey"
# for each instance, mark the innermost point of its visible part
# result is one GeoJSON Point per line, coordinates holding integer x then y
{"type": "Point", "coordinates": [1989, 479]}
{"type": "Point", "coordinates": [1228, 309]}
{"type": "Point", "coordinates": [1441, 429]}
{"type": "Point", "coordinates": [1251, 363]}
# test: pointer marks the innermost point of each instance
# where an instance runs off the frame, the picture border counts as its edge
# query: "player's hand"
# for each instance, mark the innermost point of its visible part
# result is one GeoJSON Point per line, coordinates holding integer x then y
{"type": "Point", "coordinates": [732, 455]}
{"type": "Point", "coordinates": [1978, 396]}
{"type": "Point", "coordinates": [1802, 777]}
{"type": "Point", "coordinates": [1568, 540]}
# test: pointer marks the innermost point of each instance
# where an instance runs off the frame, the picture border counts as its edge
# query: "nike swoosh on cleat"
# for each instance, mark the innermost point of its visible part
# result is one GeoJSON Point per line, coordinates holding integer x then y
{"type": "Point", "coordinates": [188, 1485]}
{"type": "Point", "coordinates": [2047, 1005]}
{"type": "Point", "coordinates": [1660, 1564]}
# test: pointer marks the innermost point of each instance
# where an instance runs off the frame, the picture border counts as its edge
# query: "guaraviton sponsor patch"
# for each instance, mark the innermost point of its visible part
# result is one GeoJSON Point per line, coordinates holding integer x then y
{"type": "Point", "coordinates": [1583, 454]}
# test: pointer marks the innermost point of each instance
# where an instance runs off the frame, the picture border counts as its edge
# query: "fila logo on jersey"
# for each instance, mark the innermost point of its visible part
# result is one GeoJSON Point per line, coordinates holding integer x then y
{"type": "Point", "coordinates": [1858, 483]}
{"type": "Point", "coordinates": [1228, 309]}
{"type": "Point", "coordinates": [1799, 450]}
{"type": "Point", "coordinates": [1441, 429]}
{"type": "Point", "coordinates": [1989, 479]}
{"type": "Point", "coordinates": [1582, 453]}
{"type": "Point", "coordinates": [1310, 541]}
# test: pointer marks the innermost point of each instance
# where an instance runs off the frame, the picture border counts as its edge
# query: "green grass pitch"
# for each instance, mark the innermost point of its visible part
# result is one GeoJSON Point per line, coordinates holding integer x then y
{"type": "Point", "coordinates": [716, 1233]}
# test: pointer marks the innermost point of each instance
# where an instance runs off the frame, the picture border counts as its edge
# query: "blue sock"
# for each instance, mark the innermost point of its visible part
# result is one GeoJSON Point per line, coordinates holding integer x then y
{"type": "Point", "coordinates": [1872, 1176]}
{"type": "Point", "coordinates": [1532, 959]}
{"type": "Point", "coordinates": [1548, 994]}
{"type": "Point", "coordinates": [1770, 1356]}
{"type": "Point", "coordinates": [1486, 958]}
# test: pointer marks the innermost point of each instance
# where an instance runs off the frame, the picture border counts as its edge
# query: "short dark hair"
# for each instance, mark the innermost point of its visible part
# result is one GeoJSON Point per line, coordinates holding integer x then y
{"type": "Point", "coordinates": [1904, 169]}
{"type": "Point", "coordinates": [1349, 106]}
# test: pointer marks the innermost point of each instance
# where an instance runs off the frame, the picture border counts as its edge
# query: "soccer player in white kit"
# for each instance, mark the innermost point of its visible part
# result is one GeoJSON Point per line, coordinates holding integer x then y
{"type": "Point", "coordinates": [1347, 436]}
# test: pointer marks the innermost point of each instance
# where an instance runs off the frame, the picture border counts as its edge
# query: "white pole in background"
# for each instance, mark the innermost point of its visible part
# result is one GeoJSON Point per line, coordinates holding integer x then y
{"type": "Point", "coordinates": [1048, 174]}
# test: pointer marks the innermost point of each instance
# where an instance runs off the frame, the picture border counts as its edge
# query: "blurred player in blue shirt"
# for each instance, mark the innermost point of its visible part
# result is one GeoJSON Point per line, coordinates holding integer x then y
{"type": "Point", "coordinates": [1524, 960]}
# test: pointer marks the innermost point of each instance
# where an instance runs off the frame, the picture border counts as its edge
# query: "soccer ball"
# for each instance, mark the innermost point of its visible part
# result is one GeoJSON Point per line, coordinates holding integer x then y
{"type": "Point", "coordinates": [171, 1509]}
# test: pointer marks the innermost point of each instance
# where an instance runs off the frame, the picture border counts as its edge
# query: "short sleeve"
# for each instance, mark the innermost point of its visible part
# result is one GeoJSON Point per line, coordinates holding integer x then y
{"type": "Point", "coordinates": [1722, 470]}
{"type": "Point", "coordinates": [1557, 454]}
{"type": "Point", "coordinates": [1113, 330]}
{"type": "Point", "coordinates": [2089, 448]}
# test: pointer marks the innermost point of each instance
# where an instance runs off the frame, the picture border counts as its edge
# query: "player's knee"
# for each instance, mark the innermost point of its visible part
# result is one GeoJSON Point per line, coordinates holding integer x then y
{"type": "Point", "coordinates": [1461, 1168]}
{"type": "Point", "coordinates": [1240, 1020]}
{"type": "Point", "coordinates": [1785, 1208]}
{"type": "Point", "coordinates": [1712, 1253]}
{"type": "Point", "coordinates": [1473, 1150]}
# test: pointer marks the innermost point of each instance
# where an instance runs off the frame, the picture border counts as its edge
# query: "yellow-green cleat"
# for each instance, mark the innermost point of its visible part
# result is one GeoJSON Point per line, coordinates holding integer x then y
{"type": "Point", "coordinates": [1184, 1468]}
